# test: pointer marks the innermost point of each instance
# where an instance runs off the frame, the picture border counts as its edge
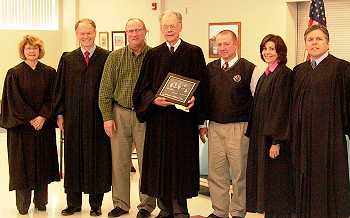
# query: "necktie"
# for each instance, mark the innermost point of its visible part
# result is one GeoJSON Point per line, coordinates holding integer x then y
{"type": "Point", "coordinates": [313, 64]}
{"type": "Point", "coordinates": [225, 66]}
{"type": "Point", "coordinates": [172, 50]}
{"type": "Point", "coordinates": [87, 57]}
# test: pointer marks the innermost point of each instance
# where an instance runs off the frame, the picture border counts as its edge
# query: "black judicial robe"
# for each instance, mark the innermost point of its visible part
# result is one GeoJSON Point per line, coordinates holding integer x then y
{"type": "Point", "coordinates": [269, 181]}
{"type": "Point", "coordinates": [171, 157]}
{"type": "Point", "coordinates": [87, 149]}
{"type": "Point", "coordinates": [320, 119]}
{"type": "Point", "coordinates": [32, 154]}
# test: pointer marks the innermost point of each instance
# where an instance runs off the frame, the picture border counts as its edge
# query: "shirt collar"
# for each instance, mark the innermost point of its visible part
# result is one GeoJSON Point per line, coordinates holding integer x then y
{"type": "Point", "coordinates": [129, 50]}
{"type": "Point", "coordinates": [230, 63]}
{"type": "Point", "coordinates": [318, 60]}
{"type": "Point", "coordinates": [91, 50]}
{"type": "Point", "coordinates": [271, 68]}
{"type": "Point", "coordinates": [176, 45]}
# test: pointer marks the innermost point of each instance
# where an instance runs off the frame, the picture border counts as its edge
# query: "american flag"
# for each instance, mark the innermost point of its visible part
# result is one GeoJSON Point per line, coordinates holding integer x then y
{"type": "Point", "coordinates": [317, 15]}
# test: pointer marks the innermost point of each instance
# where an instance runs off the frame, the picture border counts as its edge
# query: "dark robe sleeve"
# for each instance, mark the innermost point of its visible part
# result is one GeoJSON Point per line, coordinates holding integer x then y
{"type": "Point", "coordinates": [248, 131]}
{"type": "Point", "coordinates": [276, 127]}
{"type": "Point", "coordinates": [14, 109]}
{"type": "Point", "coordinates": [143, 95]}
{"type": "Point", "coordinates": [59, 90]}
{"type": "Point", "coordinates": [202, 91]}
{"type": "Point", "coordinates": [345, 72]}
{"type": "Point", "coordinates": [47, 108]}
{"type": "Point", "coordinates": [205, 95]}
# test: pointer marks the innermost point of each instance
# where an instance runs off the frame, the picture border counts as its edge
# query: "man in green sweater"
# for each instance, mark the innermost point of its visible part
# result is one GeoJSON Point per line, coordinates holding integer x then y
{"type": "Point", "coordinates": [120, 74]}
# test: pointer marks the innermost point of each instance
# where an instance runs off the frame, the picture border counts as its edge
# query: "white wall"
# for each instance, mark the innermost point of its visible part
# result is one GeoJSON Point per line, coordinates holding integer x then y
{"type": "Point", "coordinates": [9, 55]}
{"type": "Point", "coordinates": [69, 12]}
{"type": "Point", "coordinates": [10, 39]}
{"type": "Point", "coordinates": [258, 18]}
{"type": "Point", "coordinates": [112, 15]}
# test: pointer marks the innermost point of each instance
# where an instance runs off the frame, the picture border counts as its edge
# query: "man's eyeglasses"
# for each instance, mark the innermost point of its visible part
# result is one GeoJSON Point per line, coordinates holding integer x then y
{"type": "Point", "coordinates": [135, 30]}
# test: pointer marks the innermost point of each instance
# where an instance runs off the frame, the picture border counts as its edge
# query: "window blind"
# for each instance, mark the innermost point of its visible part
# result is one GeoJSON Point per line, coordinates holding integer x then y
{"type": "Point", "coordinates": [338, 21]}
{"type": "Point", "coordinates": [29, 14]}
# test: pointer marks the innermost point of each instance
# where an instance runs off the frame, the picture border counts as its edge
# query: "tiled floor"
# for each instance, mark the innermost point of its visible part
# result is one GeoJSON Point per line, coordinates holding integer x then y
{"type": "Point", "coordinates": [197, 206]}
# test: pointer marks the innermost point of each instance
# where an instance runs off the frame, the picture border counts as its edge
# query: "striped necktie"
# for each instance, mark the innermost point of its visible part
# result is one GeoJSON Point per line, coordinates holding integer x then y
{"type": "Point", "coordinates": [313, 64]}
{"type": "Point", "coordinates": [87, 57]}
{"type": "Point", "coordinates": [225, 66]}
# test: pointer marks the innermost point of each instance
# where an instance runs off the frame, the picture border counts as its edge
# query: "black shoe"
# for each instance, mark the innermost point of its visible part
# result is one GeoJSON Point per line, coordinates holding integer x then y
{"type": "Point", "coordinates": [70, 210]}
{"type": "Point", "coordinates": [132, 169]}
{"type": "Point", "coordinates": [161, 215]}
{"type": "Point", "coordinates": [40, 208]}
{"type": "Point", "coordinates": [23, 212]}
{"type": "Point", "coordinates": [95, 212]}
{"type": "Point", "coordinates": [143, 213]}
{"type": "Point", "coordinates": [117, 212]}
{"type": "Point", "coordinates": [213, 216]}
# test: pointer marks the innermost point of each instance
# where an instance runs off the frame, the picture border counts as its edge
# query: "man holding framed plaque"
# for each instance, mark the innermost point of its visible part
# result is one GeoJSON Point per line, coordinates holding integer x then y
{"type": "Point", "coordinates": [171, 154]}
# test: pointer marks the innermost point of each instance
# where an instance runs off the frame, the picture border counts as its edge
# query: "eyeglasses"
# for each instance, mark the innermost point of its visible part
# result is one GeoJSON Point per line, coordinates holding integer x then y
{"type": "Point", "coordinates": [134, 30]}
{"type": "Point", "coordinates": [31, 48]}
{"type": "Point", "coordinates": [166, 27]}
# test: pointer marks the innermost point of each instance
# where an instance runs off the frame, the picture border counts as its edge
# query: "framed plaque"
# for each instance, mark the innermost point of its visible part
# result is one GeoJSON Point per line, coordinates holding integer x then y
{"type": "Point", "coordinates": [177, 89]}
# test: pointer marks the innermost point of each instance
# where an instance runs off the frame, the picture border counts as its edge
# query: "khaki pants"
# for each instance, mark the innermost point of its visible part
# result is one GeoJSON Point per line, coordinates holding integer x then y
{"type": "Point", "coordinates": [228, 151]}
{"type": "Point", "coordinates": [129, 131]}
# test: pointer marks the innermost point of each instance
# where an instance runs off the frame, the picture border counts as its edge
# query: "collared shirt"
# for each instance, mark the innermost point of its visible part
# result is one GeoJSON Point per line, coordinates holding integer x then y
{"type": "Point", "coordinates": [230, 63]}
{"type": "Point", "coordinates": [318, 60]}
{"type": "Point", "coordinates": [120, 74]}
{"type": "Point", "coordinates": [91, 50]}
{"type": "Point", "coordinates": [176, 45]}
{"type": "Point", "coordinates": [255, 76]}
{"type": "Point", "coordinates": [271, 68]}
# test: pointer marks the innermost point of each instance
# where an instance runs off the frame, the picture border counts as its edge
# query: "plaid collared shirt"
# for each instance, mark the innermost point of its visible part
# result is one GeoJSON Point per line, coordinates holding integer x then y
{"type": "Point", "coordinates": [120, 74]}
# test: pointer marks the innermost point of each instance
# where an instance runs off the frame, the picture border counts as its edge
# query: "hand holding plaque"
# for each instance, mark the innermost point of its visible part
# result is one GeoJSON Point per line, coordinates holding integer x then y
{"type": "Point", "coordinates": [178, 89]}
{"type": "Point", "coordinates": [190, 104]}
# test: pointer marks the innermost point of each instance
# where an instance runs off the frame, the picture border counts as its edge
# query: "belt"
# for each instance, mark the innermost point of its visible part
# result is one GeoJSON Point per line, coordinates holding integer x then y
{"type": "Point", "coordinates": [126, 108]}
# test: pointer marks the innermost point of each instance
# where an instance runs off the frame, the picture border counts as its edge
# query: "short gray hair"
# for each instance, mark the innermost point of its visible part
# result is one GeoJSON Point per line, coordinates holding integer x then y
{"type": "Point", "coordinates": [136, 19]}
{"type": "Point", "coordinates": [85, 20]}
{"type": "Point", "coordinates": [169, 12]}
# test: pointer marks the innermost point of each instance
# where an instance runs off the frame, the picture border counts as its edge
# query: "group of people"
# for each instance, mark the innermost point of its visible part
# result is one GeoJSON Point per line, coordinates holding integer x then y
{"type": "Point", "coordinates": [280, 140]}
{"type": "Point", "coordinates": [278, 137]}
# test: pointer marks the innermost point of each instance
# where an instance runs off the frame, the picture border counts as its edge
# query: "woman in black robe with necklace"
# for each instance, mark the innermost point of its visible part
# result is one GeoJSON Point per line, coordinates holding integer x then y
{"type": "Point", "coordinates": [269, 179]}
{"type": "Point", "coordinates": [26, 109]}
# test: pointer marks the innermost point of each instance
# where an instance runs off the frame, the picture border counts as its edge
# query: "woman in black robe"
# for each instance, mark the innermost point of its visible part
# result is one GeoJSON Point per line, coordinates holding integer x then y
{"type": "Point", "coordinates": [269, 180]}
{"type": "Point", "coordinates": [26, 114]}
